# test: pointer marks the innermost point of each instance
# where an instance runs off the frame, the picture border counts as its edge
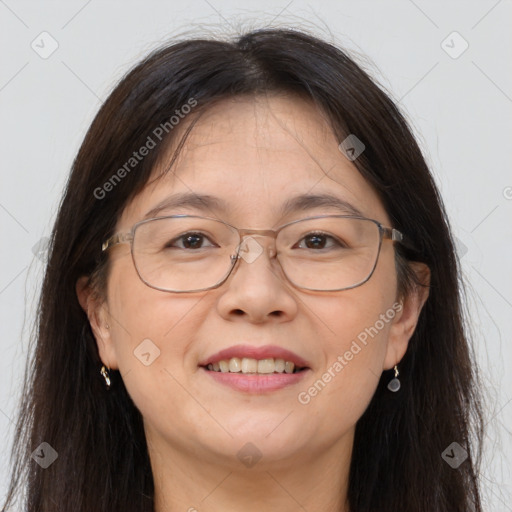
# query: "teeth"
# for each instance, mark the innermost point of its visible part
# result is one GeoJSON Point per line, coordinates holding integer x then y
{"type": "Point", "coordinates": [235, 365]}
{"type": "Point", "coordinates": [249, 365]}
{"type": "Point", "coordinates": [266, 366]}
{"type": "Point", "coordinates": [280, 365]}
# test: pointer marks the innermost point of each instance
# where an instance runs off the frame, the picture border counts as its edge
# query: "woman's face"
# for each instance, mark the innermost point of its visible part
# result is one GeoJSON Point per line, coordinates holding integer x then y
{"type": "Point", "coordinates": [254, 155]}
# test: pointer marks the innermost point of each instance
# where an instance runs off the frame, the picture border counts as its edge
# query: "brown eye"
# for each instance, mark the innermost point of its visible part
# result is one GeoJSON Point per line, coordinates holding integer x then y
{"type": "Point", "coordinates": [189, 241]}
{"type": "Point", "coordinates": [318, 241]}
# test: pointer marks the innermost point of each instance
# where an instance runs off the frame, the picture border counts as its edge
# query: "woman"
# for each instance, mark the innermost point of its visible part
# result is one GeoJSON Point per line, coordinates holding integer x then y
{"type": "Point", "coordinates": [251, 300]}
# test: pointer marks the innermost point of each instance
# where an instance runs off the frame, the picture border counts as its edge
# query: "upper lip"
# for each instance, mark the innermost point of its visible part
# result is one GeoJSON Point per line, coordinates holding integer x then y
{"type": "Point", "coordinates": [249, 351]}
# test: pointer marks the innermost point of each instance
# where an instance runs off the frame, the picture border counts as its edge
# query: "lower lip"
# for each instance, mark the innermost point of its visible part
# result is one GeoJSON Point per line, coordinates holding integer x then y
{"type": "Point", "coordinates": [252, 383]}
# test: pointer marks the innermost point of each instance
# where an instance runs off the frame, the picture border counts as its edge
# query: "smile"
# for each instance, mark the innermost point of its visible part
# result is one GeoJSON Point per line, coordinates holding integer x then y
{"type": "Point", "coordinates": [248, 365]}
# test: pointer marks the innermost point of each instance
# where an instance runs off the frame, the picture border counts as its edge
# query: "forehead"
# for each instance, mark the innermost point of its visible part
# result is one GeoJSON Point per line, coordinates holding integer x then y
{"type": "Point", "coordinates": [255, 154]}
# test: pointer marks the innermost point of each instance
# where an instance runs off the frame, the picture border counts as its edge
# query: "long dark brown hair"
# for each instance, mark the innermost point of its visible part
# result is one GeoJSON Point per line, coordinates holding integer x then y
{"type": "Point", "coordinates": [103, 462]}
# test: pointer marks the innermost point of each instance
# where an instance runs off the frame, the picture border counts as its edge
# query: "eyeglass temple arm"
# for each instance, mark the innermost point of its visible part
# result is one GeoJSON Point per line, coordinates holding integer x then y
{"type": "Point", "coordinates": [397, 236]}
{"type": "Point", "coordinates": [118, 238]}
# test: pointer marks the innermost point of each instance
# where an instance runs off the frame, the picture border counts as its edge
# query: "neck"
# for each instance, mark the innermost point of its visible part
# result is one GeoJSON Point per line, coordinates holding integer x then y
{"type": "Point", "coordinates": [191, 482]}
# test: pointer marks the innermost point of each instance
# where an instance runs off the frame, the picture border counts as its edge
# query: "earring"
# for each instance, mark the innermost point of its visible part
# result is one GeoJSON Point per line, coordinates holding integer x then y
{"type": "Point", "coordinates": [105, 372]}
{"type": "Point", "coordinates": [107, 326]}
{"type": "Point", "coordinates": [394, 384]}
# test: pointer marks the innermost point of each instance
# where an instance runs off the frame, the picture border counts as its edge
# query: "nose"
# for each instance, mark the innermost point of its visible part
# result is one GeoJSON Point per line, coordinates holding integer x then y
{"type": "Point", "coordinates": [257, 290]}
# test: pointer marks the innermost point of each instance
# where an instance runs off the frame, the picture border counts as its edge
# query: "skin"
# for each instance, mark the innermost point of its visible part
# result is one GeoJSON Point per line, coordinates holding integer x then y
{"type": "Point", "coordinates": [254, 153]}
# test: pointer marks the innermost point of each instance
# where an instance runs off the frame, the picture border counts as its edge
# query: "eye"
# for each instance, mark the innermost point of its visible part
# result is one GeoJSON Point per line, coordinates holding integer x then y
{"type": "Point", "coordinates": [319, 241]}
{"type": "Point", "coordinates": [190, 240]}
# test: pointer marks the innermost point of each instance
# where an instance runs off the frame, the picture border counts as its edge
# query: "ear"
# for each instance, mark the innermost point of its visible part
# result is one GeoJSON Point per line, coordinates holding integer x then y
{"type": "Point", "coordinates": [407, 316]}
{"type": "Point", "coordinates": [99, 319]}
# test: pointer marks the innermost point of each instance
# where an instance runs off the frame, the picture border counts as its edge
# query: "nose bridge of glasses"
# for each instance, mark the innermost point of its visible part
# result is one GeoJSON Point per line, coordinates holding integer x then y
{"type": "Point", "coordinates": [257, 232]}
{"type": "Point", "coordinates": [251, 247]}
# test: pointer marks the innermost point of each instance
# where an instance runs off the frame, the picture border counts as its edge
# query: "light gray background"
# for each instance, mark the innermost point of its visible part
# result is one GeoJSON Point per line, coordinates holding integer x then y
{"type": "Point", "coordinates": [461, 110]}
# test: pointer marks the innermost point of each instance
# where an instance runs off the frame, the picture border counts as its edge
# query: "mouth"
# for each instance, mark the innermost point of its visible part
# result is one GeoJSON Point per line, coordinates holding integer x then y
{"type": "Point", "coordinates": [245, 359]}
{"type": "Point", "coordinates": [252, 366]}
{"type": "Point", "coordinates": [255, 370]}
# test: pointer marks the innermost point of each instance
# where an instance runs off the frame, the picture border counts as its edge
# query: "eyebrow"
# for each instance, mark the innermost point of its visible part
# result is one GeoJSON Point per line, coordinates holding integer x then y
{"type": "Point", "coordinates": [206, 203]}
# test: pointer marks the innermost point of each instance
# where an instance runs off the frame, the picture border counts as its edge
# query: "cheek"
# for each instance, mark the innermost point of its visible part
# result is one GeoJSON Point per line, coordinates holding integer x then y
{"type": "Point", "coordinates": [152, 336]}
{"type": "Point", "coordinates": [362, 314]}
{"type": "Point", "coordinates": [343, 386]}
{"type": "Point", "coordinates": [354, 327]}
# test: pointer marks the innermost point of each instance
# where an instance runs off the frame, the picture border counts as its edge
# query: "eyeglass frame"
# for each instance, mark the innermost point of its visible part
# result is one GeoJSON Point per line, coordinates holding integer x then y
{"type": "Point", "coordinates": [385, 233]}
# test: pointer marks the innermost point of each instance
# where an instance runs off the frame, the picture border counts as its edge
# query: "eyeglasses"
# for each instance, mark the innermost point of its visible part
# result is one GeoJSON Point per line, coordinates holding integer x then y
{"type": "Point", "coordinates": [188, 253]}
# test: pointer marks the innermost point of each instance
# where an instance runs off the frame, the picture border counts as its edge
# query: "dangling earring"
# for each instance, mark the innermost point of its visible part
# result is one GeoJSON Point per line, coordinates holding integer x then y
{"type": "Point", "coordinates": [105, 372]}
{"type": "Point", "coordinates": [394, 384]}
